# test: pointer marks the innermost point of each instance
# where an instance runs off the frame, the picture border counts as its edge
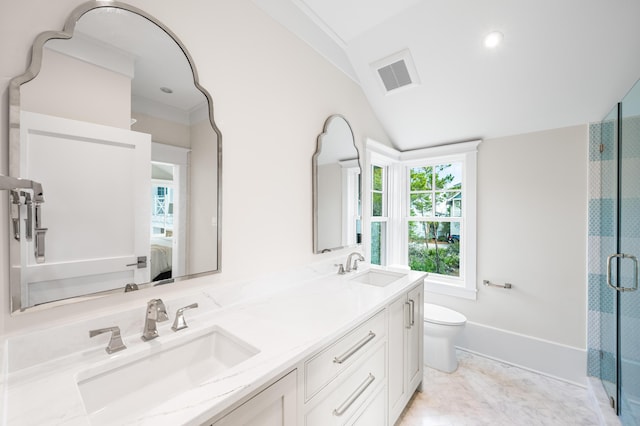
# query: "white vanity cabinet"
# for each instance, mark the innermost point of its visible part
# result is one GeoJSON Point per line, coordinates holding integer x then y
{"type": "Point", "coordinates": [345, 383]}
{"type": "Point", "coordinates": [274, 406]}
{"type": "Point", "coordinates": [354, 358]}
{"type": "Point", "coordinates": [364, 377]}
{"type": "Point", "coordinates": [405, 349]}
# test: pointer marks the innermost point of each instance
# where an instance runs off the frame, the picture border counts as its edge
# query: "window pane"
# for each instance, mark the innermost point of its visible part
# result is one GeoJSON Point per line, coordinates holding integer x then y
{"type": "Point", "coordinates": [421, 178]}
{"type": "Point", "coordinates": [377, 177]}
{"type": "Point", "coordinates": [435, 247]}
{"type": "Point", "coordinates": [449, 176]}
{"type": "Point", "coordinates": [378, 242]}
{"type": "Point", "coordinates": [376, 204]}
{"type": "Point", "coordinates": [449, 204]}
{"type": "Point", "coordinates": [421, 205]}
{"type": "Point", "coordinates": [162, 211]}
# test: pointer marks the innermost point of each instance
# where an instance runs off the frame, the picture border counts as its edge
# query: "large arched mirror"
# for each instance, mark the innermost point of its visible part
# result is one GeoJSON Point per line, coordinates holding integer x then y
{"type": "Point", "coordinates": [336, 188]}
{"type": "Point", "coordinates": [111, 120]}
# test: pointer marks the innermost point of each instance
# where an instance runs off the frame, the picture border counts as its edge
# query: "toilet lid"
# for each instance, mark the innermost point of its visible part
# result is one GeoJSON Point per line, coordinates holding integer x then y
{"type": "Point", "coordinates": [441, 315]}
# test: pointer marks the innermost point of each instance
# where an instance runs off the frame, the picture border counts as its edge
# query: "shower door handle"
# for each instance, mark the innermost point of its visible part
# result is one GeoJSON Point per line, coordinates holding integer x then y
{"type": "Point", "coordinates": [635, 271]}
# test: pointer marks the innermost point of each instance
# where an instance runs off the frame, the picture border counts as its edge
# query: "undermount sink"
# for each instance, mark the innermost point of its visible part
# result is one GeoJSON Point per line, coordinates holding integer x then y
{"type": "Point", "coordinates": [378, 278]}
{"type": "Point", "coordinates": [113, 394]}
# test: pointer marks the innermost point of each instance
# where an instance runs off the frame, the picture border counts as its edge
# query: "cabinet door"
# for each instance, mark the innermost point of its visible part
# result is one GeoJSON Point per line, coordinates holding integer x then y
{"type": "Point", "coordinates": [114, 195]}
{"type": "Point", "coordinates": [397, 378]}
{"type": "Point", "coordinates": [405, 349]}
{"type": "Point", "coordinates": [274, 406]}
{"type": "Point", "coordinates": [415, 338]}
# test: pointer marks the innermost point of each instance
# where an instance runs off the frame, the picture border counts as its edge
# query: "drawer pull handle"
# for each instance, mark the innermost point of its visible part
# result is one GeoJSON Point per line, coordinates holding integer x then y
{"type": "Point", "coordinates": [342, 358]}
{"type": "Point", "coordinates": [407, 314]}
{"type": "Point", "coordinates": [355, 395]}
{"type": "Point", "coordinates": [413, 312]}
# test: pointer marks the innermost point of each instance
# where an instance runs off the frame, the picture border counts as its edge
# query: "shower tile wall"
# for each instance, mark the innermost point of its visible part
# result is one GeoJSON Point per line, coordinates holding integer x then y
{"type": "Point", "coordinates": [602, 242]}
{"type": "Point", "coordinates": [602, 187]}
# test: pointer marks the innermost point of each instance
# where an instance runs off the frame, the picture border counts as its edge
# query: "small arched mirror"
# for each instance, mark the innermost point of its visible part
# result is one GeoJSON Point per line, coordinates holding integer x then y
{"type": "Point", "coordinates": [110, 118]}
{"type": "Point", "coordinates": [336, 188]}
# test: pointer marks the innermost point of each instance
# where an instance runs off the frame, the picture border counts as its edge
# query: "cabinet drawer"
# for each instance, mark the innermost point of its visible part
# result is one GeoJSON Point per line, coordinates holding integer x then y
{"type": "Point", "coordinates": [374, 413]}
{"type": "Point", "coordinates": [326, 365]}
{"type": "Point", "coordinates": [358, 387]}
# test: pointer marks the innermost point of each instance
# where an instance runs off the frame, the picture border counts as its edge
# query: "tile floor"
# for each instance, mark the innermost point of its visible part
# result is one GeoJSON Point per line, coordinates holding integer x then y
{"type": "Point", "coordinates": [486, 392]}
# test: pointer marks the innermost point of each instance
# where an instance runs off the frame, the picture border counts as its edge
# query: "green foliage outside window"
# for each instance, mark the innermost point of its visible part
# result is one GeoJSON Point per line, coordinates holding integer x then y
{"type": "Point", "coordinates": [376, 243]}
{"type": "Point", "coordinates": [434, 246]}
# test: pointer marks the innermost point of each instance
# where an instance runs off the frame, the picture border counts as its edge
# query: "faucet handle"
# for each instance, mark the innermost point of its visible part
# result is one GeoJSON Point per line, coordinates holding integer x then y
{"type": "Point", "coordinates": [115, 343]}
{"type": "Point", "coordinates": [340, 268]}
{"type": "Point", "coordinates": [131, 287]}
{"type": "Point", "coordinates": [179, 323]}
{"type": "Point", "coordinates": [157, 311]}
{"type": "Point", "coordinates": [355, 262]}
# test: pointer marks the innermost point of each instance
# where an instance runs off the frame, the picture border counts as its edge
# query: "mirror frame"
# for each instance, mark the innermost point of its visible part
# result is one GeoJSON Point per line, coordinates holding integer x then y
{"type": "Point", "coordinates": [14, 144]}
{"type": "Point", "coordinates": [314, 174]}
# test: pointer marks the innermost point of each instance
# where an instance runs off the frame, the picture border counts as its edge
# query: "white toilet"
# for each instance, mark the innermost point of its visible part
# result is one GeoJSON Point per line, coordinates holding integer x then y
{"type": "Point", "coordinates": [441, 326]}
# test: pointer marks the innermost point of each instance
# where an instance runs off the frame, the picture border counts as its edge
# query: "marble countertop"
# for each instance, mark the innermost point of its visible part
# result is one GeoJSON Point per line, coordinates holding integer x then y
{"type": "Point", "coordinates": [296, 316]}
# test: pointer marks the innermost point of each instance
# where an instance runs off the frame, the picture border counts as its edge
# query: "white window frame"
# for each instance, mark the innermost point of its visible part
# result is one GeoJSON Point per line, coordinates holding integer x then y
{"type": "Point", "coordinates": [381, 156]}
{"type": "Point", "coordinates": [383, 219]}
{"type": "Point", "coordinates": [397, 247]}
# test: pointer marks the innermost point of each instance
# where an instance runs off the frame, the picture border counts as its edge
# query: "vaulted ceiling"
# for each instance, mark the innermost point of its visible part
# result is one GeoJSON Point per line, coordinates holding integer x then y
{"type": "Point", "coordinates": [561, 62]}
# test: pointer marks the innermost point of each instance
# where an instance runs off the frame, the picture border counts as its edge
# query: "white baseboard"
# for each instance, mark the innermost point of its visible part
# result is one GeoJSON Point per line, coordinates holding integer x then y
{"type": "Point", "coordinates": [541, 356]}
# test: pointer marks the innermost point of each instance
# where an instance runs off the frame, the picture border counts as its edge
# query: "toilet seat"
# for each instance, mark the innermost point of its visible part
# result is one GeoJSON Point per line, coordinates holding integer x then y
{"type": "Point", "coordinates": [440, 315]}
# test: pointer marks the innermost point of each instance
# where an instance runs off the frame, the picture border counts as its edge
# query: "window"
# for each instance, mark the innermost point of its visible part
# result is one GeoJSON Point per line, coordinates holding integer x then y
{"type": "Point", "coordinates": [162, 209]}
{"type": "Point", "coordinates": [423, 214]}
{"type": "Point", "coordinates": [435, 218]}
{"type": "Point", "coordinates": [378, 214]}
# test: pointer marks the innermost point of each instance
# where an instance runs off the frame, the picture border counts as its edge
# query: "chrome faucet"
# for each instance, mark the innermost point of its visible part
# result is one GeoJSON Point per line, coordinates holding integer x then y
{"type": "Point", "coordinates": [156, 312]}
{"type": "Point", "coordinates": [358, 258]}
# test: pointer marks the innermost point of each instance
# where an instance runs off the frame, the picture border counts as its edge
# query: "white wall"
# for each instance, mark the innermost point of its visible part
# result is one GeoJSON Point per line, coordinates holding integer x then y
{"type": "Point", "coordinates": [271, 93]}
{"type": "Point", "coordinates": [202, 249]}
{"type": "Point", "coordinates": [162, 131]}
{"type": "Point", "coordinates": [532, 227]}
{"type": "Point", "coordinates": [70, 88]}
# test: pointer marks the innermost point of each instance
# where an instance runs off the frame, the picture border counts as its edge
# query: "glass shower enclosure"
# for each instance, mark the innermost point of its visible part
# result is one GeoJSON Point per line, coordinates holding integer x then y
{"type": "Point", "coordinates": [619, 230]}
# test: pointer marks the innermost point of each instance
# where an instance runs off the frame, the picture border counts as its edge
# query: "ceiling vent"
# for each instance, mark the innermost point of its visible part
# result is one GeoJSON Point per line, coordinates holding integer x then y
{"type": "Point", "coordinates": [396, 71]}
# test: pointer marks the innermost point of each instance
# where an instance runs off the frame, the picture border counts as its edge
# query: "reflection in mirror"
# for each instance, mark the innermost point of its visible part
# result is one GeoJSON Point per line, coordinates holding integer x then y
{"type": "Point", "coordinates": [111, 119]}
{"type": "Point", "coordinates": [336, 188]}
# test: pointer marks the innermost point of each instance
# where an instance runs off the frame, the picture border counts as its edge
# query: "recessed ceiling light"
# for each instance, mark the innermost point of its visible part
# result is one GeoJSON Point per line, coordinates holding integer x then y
{"type": "Point", "coordinates": [166, 90]}
{"type": "Point", "coordinates": [493, 39]}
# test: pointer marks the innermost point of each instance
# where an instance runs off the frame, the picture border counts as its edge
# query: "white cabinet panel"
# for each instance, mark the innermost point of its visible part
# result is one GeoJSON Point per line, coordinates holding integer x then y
{"type": "Point", "coordinates": [405, 349]}
{"type": "Point", "coordinates": [397, 337]}
{"type": "Point", "coordinates": [274, 406]}
{"type": "Point", "coordinates": [415, 337]}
